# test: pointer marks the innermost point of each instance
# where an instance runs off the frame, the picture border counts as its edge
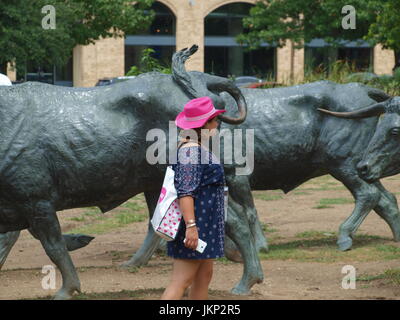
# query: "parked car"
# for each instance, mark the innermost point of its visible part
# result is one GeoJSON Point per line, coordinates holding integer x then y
{"type": "Point", "coordinates": [253, 82]}
{"type": "Point", "coordinates": [245, 81]}
{"type": "Point", "coordinates": [109, 81]}
{"type": "Point", "coordinates": [17, 82]}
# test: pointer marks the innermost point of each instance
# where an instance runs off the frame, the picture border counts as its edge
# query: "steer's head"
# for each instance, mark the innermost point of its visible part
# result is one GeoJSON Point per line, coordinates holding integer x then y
{"type": "Point", "coordinates": [198, 84]}
{"type": "Point", "coordinates": [382, 156]}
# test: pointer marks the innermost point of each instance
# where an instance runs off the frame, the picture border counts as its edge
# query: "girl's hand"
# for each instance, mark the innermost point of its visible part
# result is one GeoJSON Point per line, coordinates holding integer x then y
{"type": "Point", "coordinates": [192, 238]}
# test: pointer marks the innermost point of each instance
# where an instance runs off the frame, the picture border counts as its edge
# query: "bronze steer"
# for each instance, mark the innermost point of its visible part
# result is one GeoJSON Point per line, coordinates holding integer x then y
{"type": "Point", "coordinates": [65, 148]}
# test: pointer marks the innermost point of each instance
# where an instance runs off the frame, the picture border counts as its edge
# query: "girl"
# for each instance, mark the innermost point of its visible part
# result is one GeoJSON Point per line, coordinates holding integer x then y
{"type": "Point", "coordinates": [199, 181]}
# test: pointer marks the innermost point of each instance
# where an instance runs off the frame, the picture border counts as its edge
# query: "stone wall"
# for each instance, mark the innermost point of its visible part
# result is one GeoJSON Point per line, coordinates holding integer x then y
{"type": "Point", "coordinates": [383, 60]}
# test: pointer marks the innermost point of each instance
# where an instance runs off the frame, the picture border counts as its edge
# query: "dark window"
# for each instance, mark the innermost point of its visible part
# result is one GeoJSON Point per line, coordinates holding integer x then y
{"type": "Point", "coordinates": [164, 21]}
{"type": "Point", "coordinates": [160, 37]}
{"type": "Point", "coordinates": [225, 57]}
{"type": "Point", "coordinates": [226, 20]}
{"type": "Point", "coordinates": [234, 61]}
{"type": "Point", "coordinates": [64, 74]}
{"type": "Point", "coordinates": [3, 68]}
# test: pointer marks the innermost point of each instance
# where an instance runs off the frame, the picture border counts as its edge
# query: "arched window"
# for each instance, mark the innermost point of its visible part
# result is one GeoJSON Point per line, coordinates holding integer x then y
{"type": "Point", "coordinates": [160, 37]}
{"type": "Point", "coordinates": [224, 56]}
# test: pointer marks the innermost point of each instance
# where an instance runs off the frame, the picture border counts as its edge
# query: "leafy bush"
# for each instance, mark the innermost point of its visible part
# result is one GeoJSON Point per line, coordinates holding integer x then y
{"type": "Point", "coordinates": [343, 72]}
{"type": "Point", "coordinates": [148, 64]}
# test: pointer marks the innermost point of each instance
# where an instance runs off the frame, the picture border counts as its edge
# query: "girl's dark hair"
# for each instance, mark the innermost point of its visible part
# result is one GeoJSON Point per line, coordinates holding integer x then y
{"type": "Point", "coordinates": [188, 138]}
{"type": "Point", "coordinates": [198, 132]}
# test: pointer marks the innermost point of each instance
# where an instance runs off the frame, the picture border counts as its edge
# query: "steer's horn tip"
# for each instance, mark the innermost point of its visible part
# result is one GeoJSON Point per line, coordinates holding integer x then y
{"type": "Point", "coordinates": [194, 48]}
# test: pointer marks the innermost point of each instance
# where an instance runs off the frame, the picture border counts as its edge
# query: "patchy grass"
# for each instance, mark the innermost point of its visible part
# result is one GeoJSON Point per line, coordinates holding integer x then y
{"type": "Point", "coordinates": [137, 203]}
{"type": "Point", "coordinates": [133, 269]}
{"type": "Point", "coordinates": [323, 183]}
{"type": "Point", "coordinates": [133, 210]}
{"type": "Point", "coordinates": [320, 246]}
{"type": "Point", "coordinates": [301, 193]}
{"type": "Point", "coordinates": [224, 260]}
{"type": "Point", "coordinates": [390, 276]}
{"type": "Point", "coordinates": [90, 213]}
{"type": "Point", "coordinates": [266, 227]}
{"type": "Point", "coordinates": [321, 187]}
{"type": "Point", "coordinates": [267, 196]}
{"type": "Point", "coordinates": [108, 224]}
{"type": "Point", "coordinates": [79, 219]}
{"type": "Point", "coordinates": [315, 234]}
{"type": "Point", "coordinates": [330, 202]}
{"type": "Point", "coordinates": [129, 217]}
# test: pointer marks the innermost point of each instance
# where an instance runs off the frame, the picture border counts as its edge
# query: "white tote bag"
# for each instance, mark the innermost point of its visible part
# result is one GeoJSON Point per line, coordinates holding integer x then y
{"type": "Point", "coordinates": [167, 216]}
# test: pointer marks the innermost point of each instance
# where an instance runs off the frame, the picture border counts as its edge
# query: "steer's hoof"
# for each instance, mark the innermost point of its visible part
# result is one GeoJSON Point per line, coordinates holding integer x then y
{"type": "Point", "coordinates": [244, 287]}
{"type": "Point", "coordinates": [241, 290]}
{"type": "Point", "coordinates": [62, 295]}
{"type": "Point", "coordinates": [345, 244]}
{"type": "Point", "coordinates": [76, 241]}
{"type": "Point", "coordinates": [129, 264]}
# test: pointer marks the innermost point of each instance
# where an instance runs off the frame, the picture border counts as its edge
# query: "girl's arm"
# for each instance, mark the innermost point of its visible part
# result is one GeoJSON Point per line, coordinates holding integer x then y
{"type": "Point", "coordinates": [186, 204]}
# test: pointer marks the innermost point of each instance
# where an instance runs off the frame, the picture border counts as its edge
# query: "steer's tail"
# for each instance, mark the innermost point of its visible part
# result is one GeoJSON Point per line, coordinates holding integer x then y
{"type": "Point", "coordinates": [179, 73]}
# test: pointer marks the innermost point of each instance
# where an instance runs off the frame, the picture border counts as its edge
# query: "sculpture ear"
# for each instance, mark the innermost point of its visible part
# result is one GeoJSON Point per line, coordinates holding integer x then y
{"type": "Point", "coordinates": [378, 95]}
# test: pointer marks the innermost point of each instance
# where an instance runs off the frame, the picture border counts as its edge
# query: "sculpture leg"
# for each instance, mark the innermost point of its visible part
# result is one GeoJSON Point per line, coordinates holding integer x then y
{"type": "Point", "coordinates": [242, 194]}
{"type": "Point", "coordinates": [366, 197]}
{"type": "Point", "coordinates": [239, 229]}
{"type": "Point", "coordinates": [44, 223]}
{"type": "Point", "coordinates": [231, 250]}
{"type": "Point", "coordinates": [7, 241]}
{"type": "Point", "coordinates": [151, 242]}
{"type": "Point", "coordinates": [388, 210]}
{"type": "Point", "coordinates": [256, 228]}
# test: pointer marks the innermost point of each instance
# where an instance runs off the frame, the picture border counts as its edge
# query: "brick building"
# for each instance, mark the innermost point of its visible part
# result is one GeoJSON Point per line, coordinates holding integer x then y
{"type": "Point", "coordinates": [213, 25]}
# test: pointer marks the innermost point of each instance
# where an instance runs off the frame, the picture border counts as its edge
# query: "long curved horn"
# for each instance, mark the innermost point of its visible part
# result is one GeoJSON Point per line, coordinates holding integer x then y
{"type": "Point", "coordinates": [235, 92]}
{"type": "Point", "coordinates": [371, 111]}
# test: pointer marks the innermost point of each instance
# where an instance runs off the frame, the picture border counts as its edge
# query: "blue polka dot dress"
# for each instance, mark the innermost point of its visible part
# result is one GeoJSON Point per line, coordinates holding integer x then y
{"type": "Point", "coordinates": [199, 174]}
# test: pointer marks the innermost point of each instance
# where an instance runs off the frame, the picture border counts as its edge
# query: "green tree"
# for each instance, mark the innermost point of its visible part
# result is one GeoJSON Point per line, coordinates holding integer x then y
{"type": "Point", "coordinates": [23, 38]}
{"type": "Point", "coordinates": [386, 28]}
{"type": "Point", "coordinates": [274, 21]}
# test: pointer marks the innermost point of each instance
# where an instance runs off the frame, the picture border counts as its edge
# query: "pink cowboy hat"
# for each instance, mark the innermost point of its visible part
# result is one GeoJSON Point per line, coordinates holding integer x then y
{"type": "Point", "coordinates": [196, 113]}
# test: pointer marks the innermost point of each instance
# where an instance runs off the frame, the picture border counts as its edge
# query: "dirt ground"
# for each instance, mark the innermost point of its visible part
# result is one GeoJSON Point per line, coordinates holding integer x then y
{"type": "Point", "coordinates": [303, 261]}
